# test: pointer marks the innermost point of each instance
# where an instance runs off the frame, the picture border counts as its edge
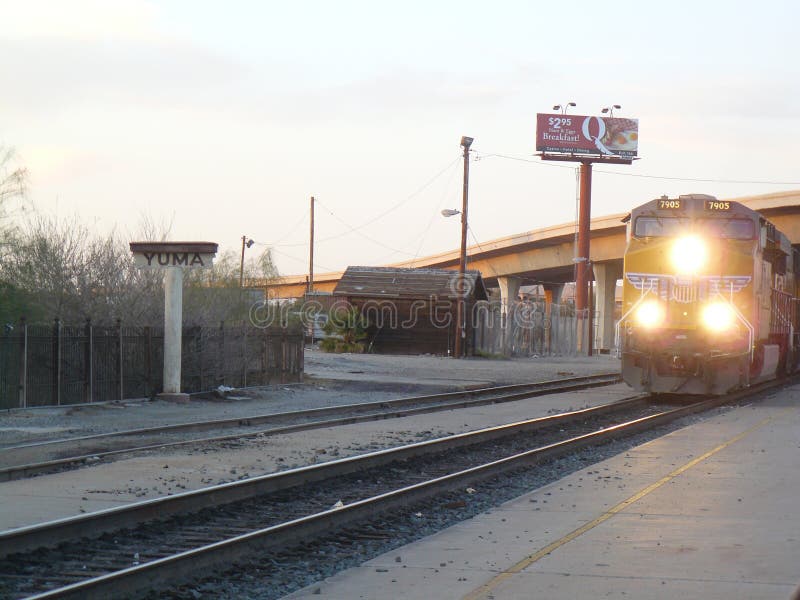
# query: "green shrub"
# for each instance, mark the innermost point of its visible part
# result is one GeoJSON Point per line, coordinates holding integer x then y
{"type": "Point", "coordinates": [346, 327]}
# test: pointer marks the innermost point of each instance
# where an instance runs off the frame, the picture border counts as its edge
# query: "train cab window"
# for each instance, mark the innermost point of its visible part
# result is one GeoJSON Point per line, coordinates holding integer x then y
{"type": "Point", "coordinates": [732, 229]}
{"type": "Point", "coordinates": [736, 229]}
{"type": "Point", "coordinates": [660, 226]}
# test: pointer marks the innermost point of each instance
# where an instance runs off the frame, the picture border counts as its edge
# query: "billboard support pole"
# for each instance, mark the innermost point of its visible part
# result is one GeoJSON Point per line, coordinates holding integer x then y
{"type": "Point", "coordinates": [582, 260]}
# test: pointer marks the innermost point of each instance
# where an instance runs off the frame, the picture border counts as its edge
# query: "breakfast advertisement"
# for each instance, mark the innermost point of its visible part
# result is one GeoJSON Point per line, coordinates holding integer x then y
{"type": "Point", "coordinates": [577, 134]}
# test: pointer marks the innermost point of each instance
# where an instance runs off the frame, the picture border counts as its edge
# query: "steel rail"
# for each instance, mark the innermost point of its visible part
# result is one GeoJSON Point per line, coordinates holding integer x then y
{"type": "Point", "coordinates": [179, 567]}
{"type": "Point", "coordinates": [95, 523]}
{"type": "Point", "coordinates": [183, 565]}
{"type": "Point", "coordinates": [315, 412]}
{"type": "Point", "coordinates": [484, 397]}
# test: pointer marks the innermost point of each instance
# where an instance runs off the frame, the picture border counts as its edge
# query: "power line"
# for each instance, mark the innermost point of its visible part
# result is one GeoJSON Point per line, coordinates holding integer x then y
{"type": "Point", "coordinates": [413, 194]}
{"type": "Point", "coordinates": [434, 215]}
{"type": "Point", "coordinates": [700, 180]}
{"type": "Point", "coordinates": [277, 244]}
{"type": "Point", "coordinates": [472, 233]}
{"type": "Point", "coordinates": [742, 181]}
{"type": "Point", "coordinates": [302, 260]}
{"type": "Point", "coordinates": [292, 230]}
{"type": "Point", "coordinates": [355, 229]}
{"type": "Point", "coordinates": [539, 163]}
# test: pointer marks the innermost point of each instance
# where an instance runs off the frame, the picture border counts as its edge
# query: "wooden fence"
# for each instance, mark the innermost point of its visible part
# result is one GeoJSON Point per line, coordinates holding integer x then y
{"type": "Point", "coordinates": [44, 365]}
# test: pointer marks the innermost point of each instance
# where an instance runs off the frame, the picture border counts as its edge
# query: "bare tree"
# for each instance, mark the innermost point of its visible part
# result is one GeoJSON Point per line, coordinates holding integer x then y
{"type": "Point", "coordinates": [13, 179]}
{"type": "Point", "coordinates": [63, 269]}
{"type": "Point", "coordinates": [13, 185]}
{"type": "Point", "coordinates": [67, 272]}
{"type": "Point", "coordinates": [214, 294]}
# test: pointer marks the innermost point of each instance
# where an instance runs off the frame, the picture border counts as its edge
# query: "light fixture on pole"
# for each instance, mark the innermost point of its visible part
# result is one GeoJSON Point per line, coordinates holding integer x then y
{"type": "Point", "coordinates": [563, 107]}
{"type": "Point", "coordinates": [450, 212]}
{"type": "Point", "coordinates": [249, 243]}
{"type": "Point", "coordinates": [610, 109]}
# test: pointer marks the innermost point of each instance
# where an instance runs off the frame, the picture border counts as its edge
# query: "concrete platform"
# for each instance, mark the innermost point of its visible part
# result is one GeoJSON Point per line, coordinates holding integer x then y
{"type": "Point", "coordinates": [710, 511]}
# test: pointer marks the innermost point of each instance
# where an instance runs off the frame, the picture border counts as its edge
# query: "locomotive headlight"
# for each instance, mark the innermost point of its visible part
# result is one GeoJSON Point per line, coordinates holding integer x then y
{"type": "Point", "coordinates": [718, 316]}
{"type": "Point", "coordinates": [689, 255]}
{"type": "Point", "coordinates": [650, 314]}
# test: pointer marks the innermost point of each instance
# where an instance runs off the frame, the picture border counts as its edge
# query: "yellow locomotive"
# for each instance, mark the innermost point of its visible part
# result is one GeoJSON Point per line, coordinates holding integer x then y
{"type": "Point", "coordinates": [709, 297]}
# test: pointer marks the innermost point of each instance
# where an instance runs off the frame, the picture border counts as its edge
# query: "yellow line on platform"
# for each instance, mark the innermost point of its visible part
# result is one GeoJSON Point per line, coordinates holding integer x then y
{"type": "Point", "coordinates": [486, 588]}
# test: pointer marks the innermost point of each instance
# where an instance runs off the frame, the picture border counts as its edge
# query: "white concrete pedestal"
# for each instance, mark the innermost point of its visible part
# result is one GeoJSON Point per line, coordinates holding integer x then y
{"type": "Point", "coordinates": [173, 317]}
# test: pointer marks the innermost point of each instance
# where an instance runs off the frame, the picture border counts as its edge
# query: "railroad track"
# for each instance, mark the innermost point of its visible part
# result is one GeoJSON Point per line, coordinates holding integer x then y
{"type": "Point", "coordinates": [30, 459]}
{"type": "Point", "coordinates": [174, 538]}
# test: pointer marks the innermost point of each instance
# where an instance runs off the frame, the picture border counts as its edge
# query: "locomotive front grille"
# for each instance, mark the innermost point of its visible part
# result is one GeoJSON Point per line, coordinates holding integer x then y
{"type": "Point", "coordinates": [688, 289]}
{"type": "Point", "coordinates": [684, 291]}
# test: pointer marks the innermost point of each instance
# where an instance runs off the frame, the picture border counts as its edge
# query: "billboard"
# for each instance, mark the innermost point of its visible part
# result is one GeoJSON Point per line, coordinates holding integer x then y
{"type": "Point", "coordinates": [578, 134]}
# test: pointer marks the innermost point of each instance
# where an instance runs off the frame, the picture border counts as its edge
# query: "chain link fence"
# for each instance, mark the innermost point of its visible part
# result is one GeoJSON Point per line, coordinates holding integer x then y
{"type": "Point", "coordinates": [528, 328]}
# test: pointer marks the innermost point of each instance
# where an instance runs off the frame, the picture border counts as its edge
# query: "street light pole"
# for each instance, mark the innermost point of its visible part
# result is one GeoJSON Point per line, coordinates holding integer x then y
{"type": "Point", "coordinates": [248, 243]}
{"type": "Point", "coordinates": [461, 334]}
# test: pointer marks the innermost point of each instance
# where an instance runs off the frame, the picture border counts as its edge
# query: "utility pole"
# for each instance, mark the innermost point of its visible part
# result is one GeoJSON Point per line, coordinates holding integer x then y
{"type": "Point", "coordinates": [311, 252]}
{"type": "Point", "coordinates": [461, 333]}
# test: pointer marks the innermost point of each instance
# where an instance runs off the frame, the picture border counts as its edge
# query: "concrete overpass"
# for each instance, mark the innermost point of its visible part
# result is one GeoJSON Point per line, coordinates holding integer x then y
{"type": "Point", "coordinates": [544, 256]}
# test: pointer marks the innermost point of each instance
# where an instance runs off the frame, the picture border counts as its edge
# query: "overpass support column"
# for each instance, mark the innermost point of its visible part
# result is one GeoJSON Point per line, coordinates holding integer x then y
{"type": "Point", "coordinates": [552, 295]}
{"type": "Point", "coordinates": [606, 275]}
{"type": "Point", "coordinates": [509, 293]}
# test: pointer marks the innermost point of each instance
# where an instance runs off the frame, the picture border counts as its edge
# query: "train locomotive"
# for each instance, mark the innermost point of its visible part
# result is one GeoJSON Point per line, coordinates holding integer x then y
{"type": "Point", "coordinates": [709, 299]}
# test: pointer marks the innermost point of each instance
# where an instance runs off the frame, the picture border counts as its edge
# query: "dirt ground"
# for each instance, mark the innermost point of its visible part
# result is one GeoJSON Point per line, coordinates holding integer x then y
{"type": "Point", "coordinates": [331, 380]}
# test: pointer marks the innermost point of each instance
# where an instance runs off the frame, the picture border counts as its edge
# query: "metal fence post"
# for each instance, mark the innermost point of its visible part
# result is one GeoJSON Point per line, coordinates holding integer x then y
{"type": "Point", "coordinates": [244, 354]}
{"type": "Point", "coordinates": [148, 361]}
{"type": "Point", "coordinates": [301, 359]}
{"type": "Point", "coordinates": [119, 359]}
{"type": "Point", "coordinates": [23, 369]}
{"type": "Point", "coordinates": [221, 360]}
{"type": "Point", "coordinates": [88, 374]}
{"type": "Point", "coordinates": [263, 348]}
{"type": "Point", "coordinates": [199, 343]}
{"type": "Point", "coordinates": [284, 354]}
{"type": "Point", "coordinates": [56, 337]}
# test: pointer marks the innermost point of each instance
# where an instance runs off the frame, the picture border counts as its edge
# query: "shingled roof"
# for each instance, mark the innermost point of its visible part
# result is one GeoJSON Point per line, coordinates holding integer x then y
{"type": "Point", "coordinates": [393, 282]}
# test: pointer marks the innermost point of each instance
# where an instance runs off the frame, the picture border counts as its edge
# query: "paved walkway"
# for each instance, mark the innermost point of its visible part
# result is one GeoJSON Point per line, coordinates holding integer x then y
{"type": "Point", "coordinates": [709, 511]}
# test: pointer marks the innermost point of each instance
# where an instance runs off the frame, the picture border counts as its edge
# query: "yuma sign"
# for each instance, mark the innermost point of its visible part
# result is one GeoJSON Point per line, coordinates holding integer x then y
{"type": "Point", "coordinates": [173, 257]}
{"type": "Point", "coordinates": [173, 254]}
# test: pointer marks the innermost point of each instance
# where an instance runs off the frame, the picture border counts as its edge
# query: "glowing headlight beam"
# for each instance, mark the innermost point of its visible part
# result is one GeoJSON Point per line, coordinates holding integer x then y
{"type": "Point", "coordinates": [718, 316]}
{"type": "Point", "coordinates": [689, 255]}
{"type": "Point", "coordinates": [650, 314]}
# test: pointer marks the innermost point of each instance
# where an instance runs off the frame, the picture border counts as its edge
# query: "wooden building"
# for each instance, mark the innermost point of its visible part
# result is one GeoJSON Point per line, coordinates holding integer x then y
{"type": "Point", "coordinates": [410, 311]}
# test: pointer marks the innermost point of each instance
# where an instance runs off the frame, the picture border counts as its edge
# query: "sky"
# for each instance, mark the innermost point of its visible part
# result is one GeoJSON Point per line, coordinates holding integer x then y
{"type": "Point", "coordinates": [223, 119]}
